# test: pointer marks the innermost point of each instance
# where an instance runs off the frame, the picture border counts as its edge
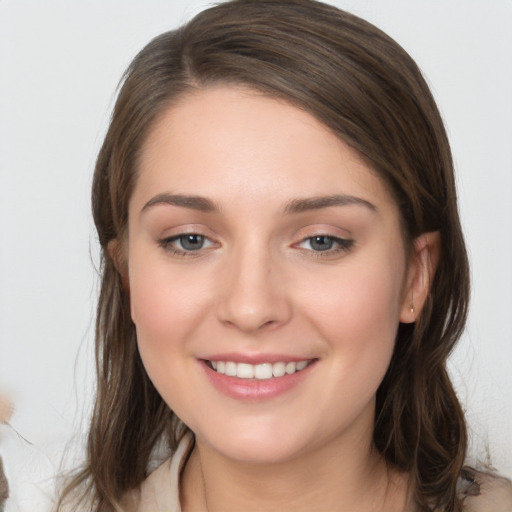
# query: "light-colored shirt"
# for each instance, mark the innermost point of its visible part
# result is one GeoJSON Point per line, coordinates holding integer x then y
{"type": "Point", "coordinates": [160, 491]}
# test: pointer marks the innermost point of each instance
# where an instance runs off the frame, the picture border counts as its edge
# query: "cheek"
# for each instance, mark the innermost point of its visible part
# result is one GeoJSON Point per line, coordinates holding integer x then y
{"type": "Point", "coordinates": [364, 298]}
{"type": "Point", "coordinates": [166, 307]}
{"type": "Point", "coordinates": [358, 313]}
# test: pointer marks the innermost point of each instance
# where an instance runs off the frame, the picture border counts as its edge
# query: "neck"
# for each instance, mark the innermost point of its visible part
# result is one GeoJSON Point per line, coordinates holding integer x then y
{"type": "Point", "coordinates": [341, 475]}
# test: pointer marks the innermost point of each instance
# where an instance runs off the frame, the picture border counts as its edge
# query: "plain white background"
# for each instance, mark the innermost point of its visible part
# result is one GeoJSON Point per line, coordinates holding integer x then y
{"type": "Point", "coordinates": [60, 63]}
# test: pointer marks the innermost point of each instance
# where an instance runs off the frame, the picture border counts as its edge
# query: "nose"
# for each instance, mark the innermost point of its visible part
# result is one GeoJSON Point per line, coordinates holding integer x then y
{"type": "Point", "coordinates": [254, 295]}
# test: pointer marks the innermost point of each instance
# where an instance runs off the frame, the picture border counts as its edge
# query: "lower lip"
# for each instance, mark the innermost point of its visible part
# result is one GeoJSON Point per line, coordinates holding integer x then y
{"type": "Point", "coordinates": [255, 389]}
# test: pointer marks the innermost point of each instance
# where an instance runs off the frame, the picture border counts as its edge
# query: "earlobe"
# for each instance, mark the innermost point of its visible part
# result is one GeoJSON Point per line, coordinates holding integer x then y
{"type": "Point", "coordinates": [422, 267]}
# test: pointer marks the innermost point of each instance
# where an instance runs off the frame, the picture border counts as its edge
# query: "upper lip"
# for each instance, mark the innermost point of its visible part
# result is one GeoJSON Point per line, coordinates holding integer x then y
{"type": "Point", "coordinates": [255, 358]}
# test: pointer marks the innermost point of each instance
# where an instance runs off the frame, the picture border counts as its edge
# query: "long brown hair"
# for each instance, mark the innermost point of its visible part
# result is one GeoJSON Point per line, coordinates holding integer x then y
{"type": "Point", "coordinates": [367, 90]}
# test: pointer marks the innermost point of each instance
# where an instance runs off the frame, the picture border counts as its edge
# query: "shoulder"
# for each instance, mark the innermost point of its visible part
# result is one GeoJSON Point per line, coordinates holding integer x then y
{"type": "Point", "coordinates": [154, 491]}
{"type": "Point", "coordinates": [160, 490]}
{"type": "Point", "coordinates": [482, 491]}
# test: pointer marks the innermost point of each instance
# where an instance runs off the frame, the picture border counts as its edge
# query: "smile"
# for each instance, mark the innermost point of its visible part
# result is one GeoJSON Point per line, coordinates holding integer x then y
{"type": "Point", "coordinates": [263, 371]}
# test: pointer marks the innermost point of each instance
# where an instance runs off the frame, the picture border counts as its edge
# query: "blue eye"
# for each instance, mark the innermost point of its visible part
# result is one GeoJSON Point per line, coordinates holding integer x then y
{"type": "Point", "coordinates": [191, 242]}
{"type": "Point", "coordinates": [326, 244]}
{"type": "Point", "coordinates": [186, 243]}
{"type": "Point", "coordinates": [321, 243]}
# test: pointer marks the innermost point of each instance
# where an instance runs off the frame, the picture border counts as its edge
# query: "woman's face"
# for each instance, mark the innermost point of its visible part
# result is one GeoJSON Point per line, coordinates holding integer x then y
{"type": "Point", "coordinates": [259, 243]}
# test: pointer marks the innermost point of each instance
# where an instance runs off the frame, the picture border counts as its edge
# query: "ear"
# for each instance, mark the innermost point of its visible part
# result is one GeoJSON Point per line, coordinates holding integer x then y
{"type": "Point", "coordinates": [420, 274]}
{"type": "Point", "coordinates": [115, 250]}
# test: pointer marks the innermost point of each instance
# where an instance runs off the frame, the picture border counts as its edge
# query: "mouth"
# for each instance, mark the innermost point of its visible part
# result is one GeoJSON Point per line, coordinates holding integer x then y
{"type": "Point", "coordinates": [262, 371]}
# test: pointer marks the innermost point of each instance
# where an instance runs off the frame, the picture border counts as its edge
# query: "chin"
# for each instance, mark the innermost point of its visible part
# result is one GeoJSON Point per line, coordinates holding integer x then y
{"type": "Point", "coordinates": [258, 450]}
{"type": "Point", "coordinates": [260, 441]}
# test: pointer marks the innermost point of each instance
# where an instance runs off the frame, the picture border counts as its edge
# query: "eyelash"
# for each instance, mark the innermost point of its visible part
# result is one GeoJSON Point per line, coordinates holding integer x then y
{"type": "Point", "coordinates": [342, 245]}
{"type": "Point", "coordinates": [167, 244]}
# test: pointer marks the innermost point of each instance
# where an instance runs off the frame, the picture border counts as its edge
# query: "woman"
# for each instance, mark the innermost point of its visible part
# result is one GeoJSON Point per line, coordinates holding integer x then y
{"type": "Point", "coordinates": [284, 274]}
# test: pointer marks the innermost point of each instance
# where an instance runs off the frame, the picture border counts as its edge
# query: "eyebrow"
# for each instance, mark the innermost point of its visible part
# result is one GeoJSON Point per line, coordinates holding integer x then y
{"type": "Point", "coordinates": [198, 203]}
{"type": "Point", "coordinates": [317, 203]}
{"type": "Point", "coordinates": [299, 205]}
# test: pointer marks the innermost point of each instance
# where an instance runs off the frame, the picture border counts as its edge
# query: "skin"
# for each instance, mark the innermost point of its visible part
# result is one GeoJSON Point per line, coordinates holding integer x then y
{"type": "Point", "coordinates": [268, 289]}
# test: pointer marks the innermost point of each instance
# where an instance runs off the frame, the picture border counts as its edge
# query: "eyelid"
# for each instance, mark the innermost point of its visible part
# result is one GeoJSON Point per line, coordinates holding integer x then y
{"type": "Point", "coordinates": [168, 242]}
{"type": "Point", "coordinates": [322, 229]}
{"type": "Point", "coordinates": [342, 239]}
{"type": "Point", "coordinates": [342, 243]}
{"type": "Point", "coordinates": [204, 238]}
{"type": "Point", "coordinates": [183, 230]}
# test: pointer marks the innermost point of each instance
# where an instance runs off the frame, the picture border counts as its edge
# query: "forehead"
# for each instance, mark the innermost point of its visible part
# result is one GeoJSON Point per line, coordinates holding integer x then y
{"type": "Point", "coordinates": [230, 142]}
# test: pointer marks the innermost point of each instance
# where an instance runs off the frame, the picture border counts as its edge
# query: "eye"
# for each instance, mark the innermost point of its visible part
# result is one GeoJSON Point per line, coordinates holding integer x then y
{"type": "Point", "coordinates": [186, 243]}
{"type": "Point", "coordinates": [190, 242]}
{"type": "Point", "coordinates": [321, 243]}
{"type": "Point", "coordinates": [326, 244]}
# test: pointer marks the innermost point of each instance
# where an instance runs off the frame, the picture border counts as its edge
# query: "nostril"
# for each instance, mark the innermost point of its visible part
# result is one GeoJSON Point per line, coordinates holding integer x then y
{"type": "Point", "coordinates": [250, 323]}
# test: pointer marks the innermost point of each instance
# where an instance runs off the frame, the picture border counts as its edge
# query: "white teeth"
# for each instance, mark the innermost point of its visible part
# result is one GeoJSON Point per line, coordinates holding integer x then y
{"type": "Point", "coordinates": [290, 368]}
{"type": "Point", "coordinates": [231, 369]}
{"type": "Point", "coordinates": [278, 369]}
{"type": "Point", "coordinates": [245, 371]}
{"type": "Point", "coordinates": [301, 365]}
{"type": "Point", "coordinates": [261, 371]}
